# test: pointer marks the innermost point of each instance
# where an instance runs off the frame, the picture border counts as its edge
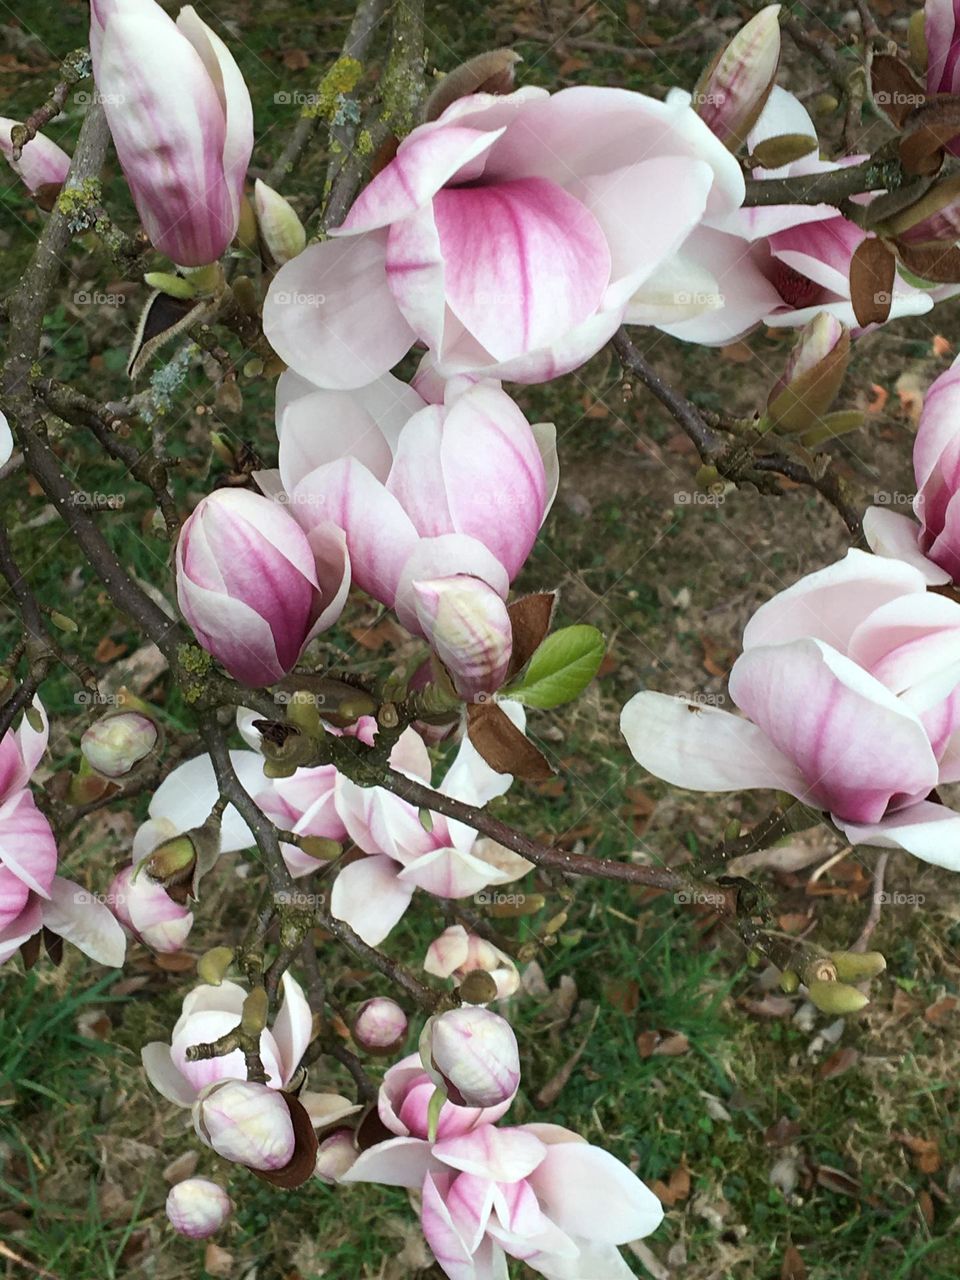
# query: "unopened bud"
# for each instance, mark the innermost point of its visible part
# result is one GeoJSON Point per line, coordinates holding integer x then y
{"type": "Point", "coordinates": [205, 280]}
{"type": "Point", "coordinates": [858, 966]}
{"type": "Point", "coordinates": [172, 862]}
{"type": "Point", "coordinates": [492, 72]}
{"type": "Point", "coordinates": [380, 1026]}
{"type": "Point", "coordinates": [197, 1208]}
{"type": "Point", "coordinates": [280, 228]}
{"type": "Point", "coordinates": [836, 997]}
{"type": "Point", "coordinates": [115, 744]}
{"type": "Point", "coordinates": [732, 91]}
{"type": "Point", "coordinates": [62, 622]}
{"type": "Point", "coordinates": [253, 1016]}
{"type": "Point", "coordinates": [320, 847]}
{"type": "Point", "coordinates": [789, 981]}
{"type": "Point", "coordinates": [523, 904]}
{"type": "Point", "coordinates": [472, 1053]}
{"type": "Point", "coordinates": [783, 149]}
{"type": "Point", "coordinates": [478, 987]}
{"type": "Point", "coordinates": [812, 377]}
{"type": "Point", "coordinates": [467, 625]}
{"type": "Point", "coordinates": [173, 286]}
{"type": "Point", "coordinates": [245, 1122]}
{"type": "Point", "coordinates": [213, 965]}
{"type": "Point", "coordinates": [335, 1155]}
{"type": "Point", "coordinates": [302, 712]}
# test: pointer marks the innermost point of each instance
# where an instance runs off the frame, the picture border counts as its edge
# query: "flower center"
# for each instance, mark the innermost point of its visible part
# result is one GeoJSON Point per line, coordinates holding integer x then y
{"type": "Point", "coordinates": [795, 289]}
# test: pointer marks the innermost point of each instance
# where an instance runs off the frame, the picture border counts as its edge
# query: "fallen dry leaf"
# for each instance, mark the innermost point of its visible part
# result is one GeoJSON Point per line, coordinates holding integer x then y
{"type": "Point", "coordinates": [793, 1267]}
{"type": "Point", "coordinates": [843, 1060]}
{"type": "Point", "coordinates": [940, 1013]}
{"type": "Point", "coordinates": [659, 1043]}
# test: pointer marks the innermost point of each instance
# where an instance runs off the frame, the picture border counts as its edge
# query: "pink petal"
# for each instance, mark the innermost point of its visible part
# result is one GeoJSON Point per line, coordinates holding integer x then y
{"type": "Point", "coordinates": [856, 744]}
{"type": "Point", "coordinates": [831, 603]}
{"type": "Point", "coordinates": [27, 846]}
{"type": "Point", "coordinates": [451, 1250]}
{"type": "Point", "coordinates": [895, 536]}
{"type": "Point", "coordinates": [943, 45]}
{"type": "Point", "coordinates": [330, 314]}
{"type": "Point", "coordinates": [443, 557]}
{"type": "Point", "coordinates": [189, 792]}
{"type": "Point", "coordinates": [82, 920]}
{"type": "Point", "coordinates": [416, 479]}
{"type": "Point", "coordinates": [929, 831]}
{"type": "Point", "coordinates": [500, 1154]}
{"type": "Point", "coordinates": [588, 1193]}
{"type": "Point", "coordinates": [703, 748]}
{"type": "Point", "coordinates": [13, 897]}
{"type": "Point", "coordinates": [398, 1162]}
{"type": "Point", "coordinates": [740, 276]}
{"type": "Point", "coordinates": [417, 277]}
{"type": "Point", "coordinates": [21, 928]}
{"type": "Point", "coordinates": [524, 262]}
{"type": "Point", "coordinates": [370, 897]}
{"type": "Point", "coordinates": [41, 163]}
{"type": "Point", "coordinates": [450, 873]}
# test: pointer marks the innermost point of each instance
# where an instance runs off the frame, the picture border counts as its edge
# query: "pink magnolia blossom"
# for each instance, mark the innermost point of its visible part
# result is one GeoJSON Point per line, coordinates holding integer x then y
{"type": "Point", "coordinates": [42, 163]}
{"type": "Point", "coordinates": [245, 1122]}
{"type": "Point", "coordinates": [32, 895]}
{"type": "Point", "coordinates": [380, 1026]}
{"type": "Point", "coordinates": [455, 953]}
{"type": "Point", "coordinates": [448, 861]}
{"type": "Point", "coordinates": [732, 93]}
{"type": "Point", "coordinates": [210, 1012]}
{"type": "Point", "coordinates": [473, 1053]}
{"type": "Point", "coordinates": [198, 1208]}
{"type": "Point", "coordinates": [440, 503]}
{"type": "Point", "coordinates": [115, 744]}
{"type": "Point", "coordinates": [849, 682]}
{"type": "Point", "coordinates": [535, 1192]}
{"type": "Point", "coordinates": [777, 265]}
{"type": "Point", "coordinates": [511, 236]}
{"type": "Point", "coordinates": [181, 121]}
{"type": "Point", "coordinates": [942, 32]}
{"type": "Point", "coordinates": [931, 542]}
{"type": "Point", "coordinates": [254, 587]}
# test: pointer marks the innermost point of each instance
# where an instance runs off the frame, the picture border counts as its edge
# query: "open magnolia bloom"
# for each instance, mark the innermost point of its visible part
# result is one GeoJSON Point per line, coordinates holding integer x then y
{"type": "Point", "coordinates": [182, 801]}
{"type": "Point", "coordinates": [440, 504]}
{"type": "Point", "coordinates": [536, 1192]}
{"type": "Point", "coordinates": [32, 896]}
{"type": "Point", "coordinates": [849, 684]}
{"type": "Point", "coordinates": [511, 236]}
{"type": "Point", "coordinates": [447, 860]}
{"type": "Point", "coordinates": [777, 264]}
{"type": "Point", "coordinates": [931, 542]}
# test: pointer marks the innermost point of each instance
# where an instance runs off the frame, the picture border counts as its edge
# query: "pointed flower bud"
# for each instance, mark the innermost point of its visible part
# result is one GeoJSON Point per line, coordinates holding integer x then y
{"type": "Point", "coordinates": [858, 966]}
{"type": "Point", "coordinates": [337, 1153]}
{"type": "Point", "coordinates": [198, 1208]}
{"type": "Point", "coordinates": [812, 377]}
{"type": "Point", "coordinates": [472, 1053]}
{"type": "Point", "coordinates": [734, 88]}
{"type": "Point", "coordinates": [280, 228]}
{"type": "Point", "coordinates": [467, 625]}
{"type": "Point", "coordinates": [836, 997]}
{"type": "Point", "coordinates": [181, 120]}
{"type": "Point", "coordinates": [380, 1026]}
{"type": "Point", "coordinates": [245, 1122]}
{"type": "Point", "coordinates": [116, 743]}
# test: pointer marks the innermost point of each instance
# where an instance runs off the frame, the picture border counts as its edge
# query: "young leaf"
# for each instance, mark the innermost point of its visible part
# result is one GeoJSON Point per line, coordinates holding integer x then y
{"type": "Point", "coordinates": [561, 668]}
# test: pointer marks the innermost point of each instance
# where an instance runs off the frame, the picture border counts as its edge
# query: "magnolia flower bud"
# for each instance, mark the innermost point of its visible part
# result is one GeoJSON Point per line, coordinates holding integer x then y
{"type": "Point", "coordinates": [116, 744]}
{"type": "Point", "coordinates": [812, 377]}
{"type": "Point", "coordinates": [858, 966]}
{"type": "Point", "coordinates": [474, 964]}
{"type": "Point", "coordinates": [42, 163]}
{"type": "Point", "coordinates": [281, 229]}
{"type": "Point", "coordinates": [475, 1055]}
{"type": "Point", "coordinates": [245, 1122]}
{"type": "Point", "coordinates": [468, 626]}
{"type": "Point", "coordinates": [197, 1208]}
{"type": "Point", "coordinates": [337, 1153]}
{"type": "Point", "coordinates": [836, 997]}
{"type": "Point", "coordinates": [733, 89]}
{"type": "Point", "coordinates": [380, 1026]}
{"type": "Point", "coordinates": [172, 863]}
{"type": "Point", "coordinates": [147, 910]}
{"type": "Point", "coordinates": [934, 218]}
{"type": "Point", "coordinates": [247, 584]}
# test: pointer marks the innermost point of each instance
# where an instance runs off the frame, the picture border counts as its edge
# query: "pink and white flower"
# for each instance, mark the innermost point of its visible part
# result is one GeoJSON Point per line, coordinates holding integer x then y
{"type": "Point", "coordinates": [254, 586]}
{"type": "Point", "coordinates": [849, 684]}
{"type": "Point", "coordinates": [455, 953]}
{"type": "Point", "coordinates": [440, 503]}
{"type": "Point", "coordinates": [42, 163]}
{"type": "Point", "coordinates": [510, 236]}
{"type": "Point", "coordinates": [942, 32]}
{"type": "Point", "coordinates": [198, 1208]}
{"type": "Point", "coordinates": [448, 861]}
{"type": "Point", "coordinates": [931, 542]}
{"type": "Point", "coordinates": [535, 1192]}
{"type": "Point", "coordinates": [32, 895]}
{"type": "Point", "coordinates": [777, 265]}
{"type": "Point", "coordinates": [181, 121]}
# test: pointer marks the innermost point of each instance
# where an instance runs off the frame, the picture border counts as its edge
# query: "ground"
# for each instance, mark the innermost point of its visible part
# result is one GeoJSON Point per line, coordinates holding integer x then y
{"type": "Point", "coordinates": [783, 1146]}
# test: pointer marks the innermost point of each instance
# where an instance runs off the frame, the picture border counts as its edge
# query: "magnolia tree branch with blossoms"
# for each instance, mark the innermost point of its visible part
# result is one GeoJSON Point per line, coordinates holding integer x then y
{"type": "Point", "coordinates": [505, 235]}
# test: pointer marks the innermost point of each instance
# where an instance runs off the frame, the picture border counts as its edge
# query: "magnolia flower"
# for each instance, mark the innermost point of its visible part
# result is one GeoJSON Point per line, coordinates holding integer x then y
{"type": "Point", "coordinates": [254, 587]}
{"type": "Point", "coordinates": [942, 32]}
{"type": "Point", "coordinates": [440, 504]}
{"type": "Point", "coordinates": [447, 860]}
{"type": "Point", "coordinates": [181, 121]}
{"type": "Point", "coordinates": [210, 1012]}
{"type": "Point", "coordinates": [933, 544]}
{"type": "Point", "coordinates": [198, 1208]}
{"type": "Point", "coordinates": [182, 801]}
{"type": "Point", "coordinates": [535, 1192]}
{"type": "Point", "coordinates": [32, 895]}
{"type": "Point", "coordinates": [281, 230]}
{"type": "Point", "coordinates": [380, 1026]}
{"type": "Point", "coordinates": [456, 953]}
{"type": "Point", "coordinates": [474, 1054]}
{"type": "Point", "coordinates": [115, 744]}
{"type": "Point", "coordinates": [246, 1122]}
{"type": "Point", "coordinates": [732, 92]}
{"type": "Point", "coordinates": [42, 163]}
{"type": "Point", "coordinates": [775, 264]}
{"type": "Point", "coordinates": [511, 236]}
{"type": "Point", "coordinates": [849, 682]}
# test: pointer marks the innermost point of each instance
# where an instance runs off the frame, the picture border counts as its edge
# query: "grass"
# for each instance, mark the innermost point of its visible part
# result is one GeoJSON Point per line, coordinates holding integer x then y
{"type": "Point", "coordinates": [83, 1139]}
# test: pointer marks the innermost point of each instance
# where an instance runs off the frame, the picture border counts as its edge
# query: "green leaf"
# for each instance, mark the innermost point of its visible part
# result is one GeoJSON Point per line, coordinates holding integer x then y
{"type": "Point", "coordinates": [561, 668]}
